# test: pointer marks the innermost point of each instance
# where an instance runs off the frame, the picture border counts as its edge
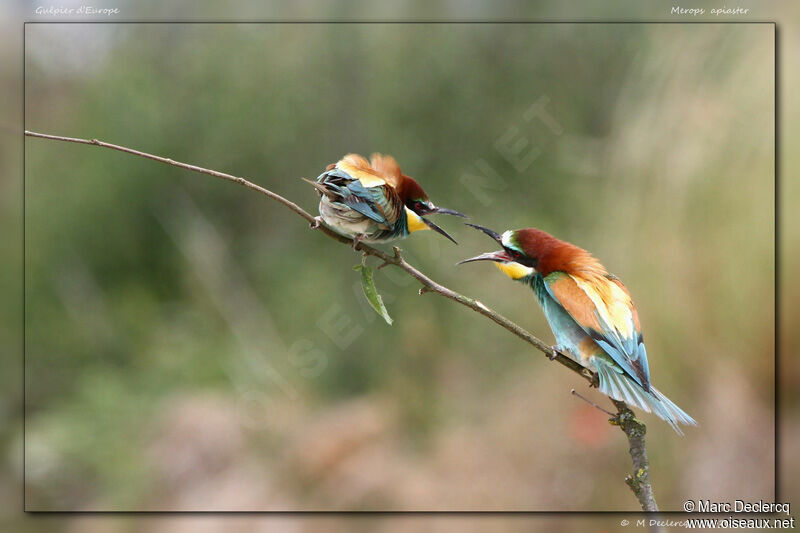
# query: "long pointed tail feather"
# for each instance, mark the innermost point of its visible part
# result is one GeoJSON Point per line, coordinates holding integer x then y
{"type": "Point", "coordinates": [620, 387]}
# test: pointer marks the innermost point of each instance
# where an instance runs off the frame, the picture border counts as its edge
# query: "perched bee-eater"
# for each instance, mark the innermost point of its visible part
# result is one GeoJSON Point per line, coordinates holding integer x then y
{"type": "Point", "coordinates": [374, 201]}
{"type": "Point", "coordinates": [590, 312]}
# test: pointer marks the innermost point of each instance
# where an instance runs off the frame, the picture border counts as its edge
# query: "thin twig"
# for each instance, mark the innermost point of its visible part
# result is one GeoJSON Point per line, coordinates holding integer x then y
{"type": "Point", "coordinates": [590, 402]}
{"type": "Point", "coordinates": [633, 428]}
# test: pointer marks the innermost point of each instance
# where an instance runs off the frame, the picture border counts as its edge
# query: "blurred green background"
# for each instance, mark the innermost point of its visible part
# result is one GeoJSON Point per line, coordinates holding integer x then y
{"type": "Point", "coordinates": [191, 345]}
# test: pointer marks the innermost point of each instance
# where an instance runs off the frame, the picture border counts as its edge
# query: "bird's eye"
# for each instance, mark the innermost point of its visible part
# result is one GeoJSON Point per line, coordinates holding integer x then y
{"type": "Point", "coordinates": [418, 206]}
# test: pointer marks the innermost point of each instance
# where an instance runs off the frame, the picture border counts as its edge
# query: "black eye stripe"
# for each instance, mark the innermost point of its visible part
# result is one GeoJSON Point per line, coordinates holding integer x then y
{"type": "Point", "coordinates": [519, 257]}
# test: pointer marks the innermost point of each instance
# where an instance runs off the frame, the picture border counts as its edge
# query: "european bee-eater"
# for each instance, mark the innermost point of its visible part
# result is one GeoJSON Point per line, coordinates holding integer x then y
{"type": "Point", "coordinates": [590, 312]}
{"type": "Point", "coordinates": [374, 201]}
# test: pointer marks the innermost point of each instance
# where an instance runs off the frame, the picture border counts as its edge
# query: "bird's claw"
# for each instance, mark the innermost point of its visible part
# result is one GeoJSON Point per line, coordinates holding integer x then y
{"type": "Point", "coordinates": [556, 351]}
{"type": "Point", "coordinates": [317, 223]}
{"type": "Point", "coordinates": [356, 240]}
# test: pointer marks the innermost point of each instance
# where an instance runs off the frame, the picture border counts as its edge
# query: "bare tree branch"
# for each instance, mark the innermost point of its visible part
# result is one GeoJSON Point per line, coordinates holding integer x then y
{"type": "Point", "coordinates": [639, 481]}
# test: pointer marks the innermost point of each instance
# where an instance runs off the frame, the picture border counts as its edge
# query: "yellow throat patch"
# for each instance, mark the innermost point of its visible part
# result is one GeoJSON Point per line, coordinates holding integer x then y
{"type": "Point", "coordinates": [514, 270]}
{"type": "Point", "coordinates": [415, 222]}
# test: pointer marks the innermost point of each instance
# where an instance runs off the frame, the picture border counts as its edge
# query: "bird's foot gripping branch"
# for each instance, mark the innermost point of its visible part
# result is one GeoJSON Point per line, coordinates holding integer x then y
{"type": "Point", "coordinates": [634, 430]}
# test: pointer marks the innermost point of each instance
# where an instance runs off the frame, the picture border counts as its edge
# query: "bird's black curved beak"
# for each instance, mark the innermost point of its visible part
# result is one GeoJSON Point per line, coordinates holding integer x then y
{"type": "Point", "coordinates": [437, 229]}
{"type": "Point", "coordinates": [493, 234]}
{"type": "Point", "coordinates": [498, 257]}
{"type": "Point", "coordinates": [445, 211]}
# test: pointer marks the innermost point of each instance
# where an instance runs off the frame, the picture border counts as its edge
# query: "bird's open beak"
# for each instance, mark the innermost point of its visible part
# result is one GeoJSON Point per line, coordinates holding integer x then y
{"type": "Point", "coordinates": [444, 211]}
{"type": "Point", "coordinates": [437, 229]}
{"type": "Point", "coordinates": [498, 257]}
{"type": "Point", "coordinates": [493, 234]}
{"type": "Point", "coordinates": [502, 259]}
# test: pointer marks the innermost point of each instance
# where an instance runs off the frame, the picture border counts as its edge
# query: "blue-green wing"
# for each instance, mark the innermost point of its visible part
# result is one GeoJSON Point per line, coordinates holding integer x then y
{"type": "Point", "coordinates": [378, 203]}
{"type": "Point", "coordinates": [614, 327]}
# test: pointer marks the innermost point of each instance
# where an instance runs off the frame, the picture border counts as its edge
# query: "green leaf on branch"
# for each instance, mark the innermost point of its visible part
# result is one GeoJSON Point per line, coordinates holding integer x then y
{"type": "Point", "coordinates": [368, 285]}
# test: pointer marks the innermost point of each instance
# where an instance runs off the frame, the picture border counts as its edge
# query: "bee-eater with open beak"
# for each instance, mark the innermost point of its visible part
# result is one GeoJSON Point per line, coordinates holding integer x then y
{"type": "Point", "coordinates": [590, 312]}
{"type": "Point", "coordinates": [373, 200]}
